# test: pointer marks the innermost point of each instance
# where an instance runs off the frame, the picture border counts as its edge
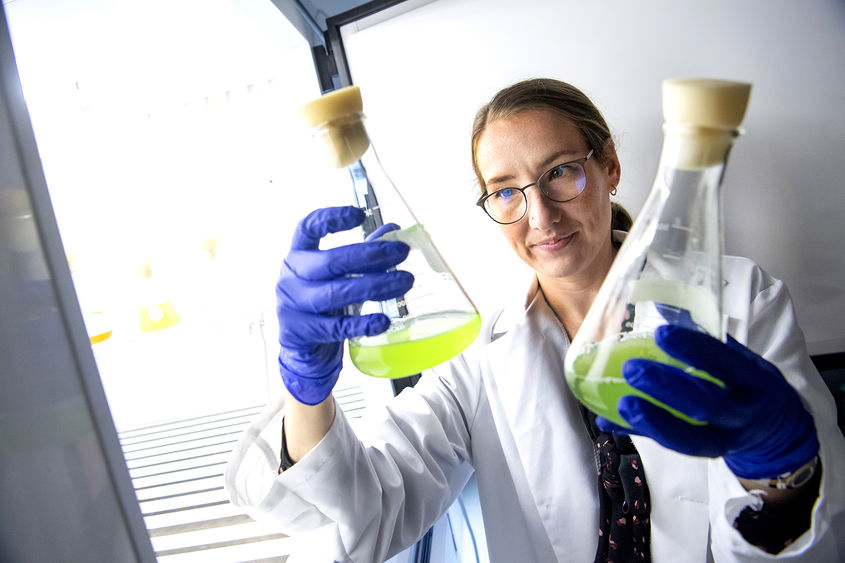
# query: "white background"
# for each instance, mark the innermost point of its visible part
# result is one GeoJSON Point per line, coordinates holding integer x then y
{"type": "Point", "coordinates": [425, 72]}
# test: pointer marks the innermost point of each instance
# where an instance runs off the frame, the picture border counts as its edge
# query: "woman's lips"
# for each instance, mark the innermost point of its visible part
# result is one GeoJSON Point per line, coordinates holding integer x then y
{"type": "Point", "coordinates": [553, 244]}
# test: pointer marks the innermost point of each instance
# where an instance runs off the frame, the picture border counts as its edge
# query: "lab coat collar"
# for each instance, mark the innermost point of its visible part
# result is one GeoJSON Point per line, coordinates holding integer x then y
{"type": "Point", "coordinates": [504, 320]}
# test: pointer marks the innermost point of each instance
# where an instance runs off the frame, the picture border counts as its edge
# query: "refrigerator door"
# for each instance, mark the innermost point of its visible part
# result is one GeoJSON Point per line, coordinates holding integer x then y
{"type": "Point", "coordinates": [65, 487]}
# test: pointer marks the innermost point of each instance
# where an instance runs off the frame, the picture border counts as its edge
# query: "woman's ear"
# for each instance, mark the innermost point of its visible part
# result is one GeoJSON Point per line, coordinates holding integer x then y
{"type": "Point", "coordinates": [611, 163]}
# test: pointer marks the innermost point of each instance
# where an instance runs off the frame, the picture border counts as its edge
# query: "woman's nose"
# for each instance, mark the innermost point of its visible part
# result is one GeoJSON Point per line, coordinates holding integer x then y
{"type": "Point", "coordinates": [542, 212]}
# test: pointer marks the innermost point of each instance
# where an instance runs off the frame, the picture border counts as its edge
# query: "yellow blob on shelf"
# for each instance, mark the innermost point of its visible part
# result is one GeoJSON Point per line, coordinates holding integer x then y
{"type": "Point", "coordinates": [155, 314]}
{"type": "Point", "coordinates": [158, 317]}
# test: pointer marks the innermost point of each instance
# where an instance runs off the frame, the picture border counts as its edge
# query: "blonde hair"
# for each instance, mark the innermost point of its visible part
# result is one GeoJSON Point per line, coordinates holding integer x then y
{"type": "Point", "coordinates": [546, 94]}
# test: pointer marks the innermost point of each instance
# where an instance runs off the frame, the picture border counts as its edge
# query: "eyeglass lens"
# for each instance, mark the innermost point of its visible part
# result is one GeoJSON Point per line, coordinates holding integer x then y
{"type": "Point", "coordinates": [560, 184]}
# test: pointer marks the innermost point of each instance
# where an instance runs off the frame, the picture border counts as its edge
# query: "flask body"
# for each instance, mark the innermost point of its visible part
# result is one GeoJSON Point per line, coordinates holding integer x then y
{"type": "Point", "coordinates": [435, 320]}
{"type": "Point", "coordinates": [668, 270]}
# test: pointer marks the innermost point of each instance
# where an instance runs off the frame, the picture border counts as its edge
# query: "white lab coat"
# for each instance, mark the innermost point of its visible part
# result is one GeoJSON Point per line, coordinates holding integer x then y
{"type": "Point", "coordinates": [503, 409]}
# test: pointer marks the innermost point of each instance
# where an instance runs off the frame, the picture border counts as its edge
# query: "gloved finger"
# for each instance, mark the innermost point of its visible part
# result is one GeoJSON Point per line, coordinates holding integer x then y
{"type": "Point", "coordinates": [606, 425]}
{"type": "Point", "coordinates": [304, 330]}
{"type": "Point", "coordinates": [730, 363]}
{"type": "Point", "coordinates": [647, 419]}
{"type": "Point", "coordinates": [677, 316]}
{"type": "Point", "coordinates": [761, 366]}
{"type": "Point", "coordinates": [322, 297]}
{"type": "Point", "coordinates": [384, 229]}
{"type": "Point", "coordinates": [338, 262]}
{"type": "Point", "coordinates": [694, 396]}
{"type": "Point", "coordinates": [321, 222]}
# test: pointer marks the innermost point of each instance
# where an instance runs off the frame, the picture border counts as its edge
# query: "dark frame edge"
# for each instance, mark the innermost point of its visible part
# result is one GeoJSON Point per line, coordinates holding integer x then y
{"type": "Point", "coordinates": [334, 42]}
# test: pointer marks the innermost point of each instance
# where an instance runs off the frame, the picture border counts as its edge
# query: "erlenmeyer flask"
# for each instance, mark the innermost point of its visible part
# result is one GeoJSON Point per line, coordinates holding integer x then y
{"type": "Point", "coordinates": [436, 319]}
{"type": "Point", "coordinates": [668, 270]}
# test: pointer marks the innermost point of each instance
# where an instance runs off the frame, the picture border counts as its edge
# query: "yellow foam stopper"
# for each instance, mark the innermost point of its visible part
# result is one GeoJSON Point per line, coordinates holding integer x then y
{"type": "Point", "coordinates": [707, 113]}
{"type": "Point", "coordinates": [705, 102]}
{"type": "Point", "coordinates": [336, 118]}
{"type": "Point", "coordinates": [333, 105]}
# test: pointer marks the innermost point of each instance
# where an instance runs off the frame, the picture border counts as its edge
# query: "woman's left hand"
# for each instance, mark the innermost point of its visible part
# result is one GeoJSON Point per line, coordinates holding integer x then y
{"type": "Point", "coordinates": [756, 422]}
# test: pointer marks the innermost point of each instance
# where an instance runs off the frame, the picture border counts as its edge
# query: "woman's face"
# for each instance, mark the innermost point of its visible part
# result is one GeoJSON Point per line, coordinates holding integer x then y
{"type": "Point", "coordinates": [569, 240]}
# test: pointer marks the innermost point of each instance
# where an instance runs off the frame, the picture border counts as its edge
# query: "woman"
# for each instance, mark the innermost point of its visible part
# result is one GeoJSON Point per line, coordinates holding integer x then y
{"type": "Point", "coordinates": [503, 410]}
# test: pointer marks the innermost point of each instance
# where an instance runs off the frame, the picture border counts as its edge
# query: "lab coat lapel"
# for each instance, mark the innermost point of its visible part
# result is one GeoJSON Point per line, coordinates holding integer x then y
{"type": "Point", "coordinates": [539, 412]}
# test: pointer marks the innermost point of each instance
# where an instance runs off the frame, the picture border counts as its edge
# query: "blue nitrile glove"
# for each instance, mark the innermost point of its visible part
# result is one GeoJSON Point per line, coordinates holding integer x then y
{"type": "Point", "coordinates": [756, 421]}
{"type": "Point", "coordinates": [314, 287]}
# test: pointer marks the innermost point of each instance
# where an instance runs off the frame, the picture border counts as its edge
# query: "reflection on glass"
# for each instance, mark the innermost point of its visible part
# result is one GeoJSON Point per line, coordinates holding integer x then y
{"type": "Point", "coordinates": [158, 135]}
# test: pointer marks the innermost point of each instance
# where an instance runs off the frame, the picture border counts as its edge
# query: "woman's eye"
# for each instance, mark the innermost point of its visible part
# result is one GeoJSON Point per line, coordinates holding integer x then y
{"type": "Point", "coordinates": [559, 171]}
{"type": "Point", "coordinates": [562, 172]}
{"type": "Point", "coordinates": [504, 194]}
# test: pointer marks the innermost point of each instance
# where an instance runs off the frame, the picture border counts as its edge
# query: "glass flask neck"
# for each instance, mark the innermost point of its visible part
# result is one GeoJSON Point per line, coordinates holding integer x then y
{"type": "Point", "coordinates": [377, 195]}
{"type": "Point", "coordinates": [695, 148]}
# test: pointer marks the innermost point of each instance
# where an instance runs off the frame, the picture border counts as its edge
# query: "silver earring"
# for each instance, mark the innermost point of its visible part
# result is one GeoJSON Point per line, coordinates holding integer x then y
{"type": "Point", "coordinates": [613, 191]}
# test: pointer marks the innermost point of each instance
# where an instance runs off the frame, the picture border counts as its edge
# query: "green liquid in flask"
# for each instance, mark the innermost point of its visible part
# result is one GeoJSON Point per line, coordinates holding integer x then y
{"type": "Point", "coordinates": [419, 343]}
{"type": "Point", "coordinates": [596, 375]}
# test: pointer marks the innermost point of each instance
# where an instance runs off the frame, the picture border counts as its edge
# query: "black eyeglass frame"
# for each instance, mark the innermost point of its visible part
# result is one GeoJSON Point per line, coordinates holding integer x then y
{"type": "Point", "coordinates": [580, 161]}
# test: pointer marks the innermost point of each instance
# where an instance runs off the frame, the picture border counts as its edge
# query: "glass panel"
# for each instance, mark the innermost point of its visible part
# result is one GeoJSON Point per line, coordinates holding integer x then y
{"type": "Point", "coordinates": [171, 142]}
{"type": "Point", "coordinates": [168, 134]}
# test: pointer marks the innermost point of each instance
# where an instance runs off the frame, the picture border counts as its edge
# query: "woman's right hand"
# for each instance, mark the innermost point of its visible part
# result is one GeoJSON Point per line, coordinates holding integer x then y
{"type": "Point", "coordinates": [313, 289]}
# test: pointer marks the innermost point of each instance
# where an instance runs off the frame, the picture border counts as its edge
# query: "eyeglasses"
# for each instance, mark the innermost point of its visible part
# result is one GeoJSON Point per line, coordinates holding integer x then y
{"type": "Point", "coordinates": [560, 184]}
